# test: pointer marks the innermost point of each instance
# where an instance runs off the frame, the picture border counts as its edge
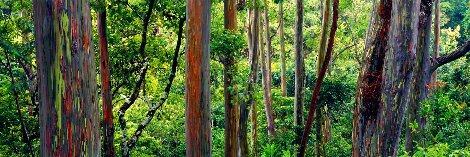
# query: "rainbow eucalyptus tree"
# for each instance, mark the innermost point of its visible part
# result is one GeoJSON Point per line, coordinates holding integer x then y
{"type": "Point", "coordinates": [68, 100]}
{"type": "Point", "coordinates": [197, 96]}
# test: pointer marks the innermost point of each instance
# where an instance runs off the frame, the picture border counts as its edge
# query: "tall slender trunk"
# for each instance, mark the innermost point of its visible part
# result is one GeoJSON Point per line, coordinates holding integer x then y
{"type": "Point", "coordinates": [254, 130]}
{"type": "Point", "coordinates": [299, 70]}
{"type": "Point", "coordinates": [398, 72]}
{"type": "Point", "coordinates": [197, 96]}
{"type": "Point", "coordinates": [437, 33]}
{"type": "Point", "coordinates": [266, 72]}
{"type": "Point", "coordinates": [250, 92]}
{"type": "Point", "coordinates": [283, 49]}
{"type": "Point", "coordinates": [368, 95]}
{"type": "Point", "coordinates": [249, 31]}
{"type": "Point", "coordinates": [421, 78]}
{"type": "Point", "coordinates": [231, 109]}
{"type": "Point", "coordinates": [108, 128]}
{"type": "Point", "coordinates": [69, 111]}
{"type": "Point", "coordinates": [324, 33]}
{"type": "Point", "coordinates": [326, 7]}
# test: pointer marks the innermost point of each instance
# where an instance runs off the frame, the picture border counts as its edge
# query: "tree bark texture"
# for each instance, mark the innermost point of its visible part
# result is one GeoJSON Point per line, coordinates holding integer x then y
{"type": "Point", "coordinates": [368, 95]}
{"type": "Point", "coordinates": [69, 111]}
{"type": "Point", "coordinates": [231, 109]}
{"type": "Point", "coordinates": [421, 78]}
{"type": "Point", "coordinates": [197, 98]}
{"type": "Point", "coordinates": [107, 105]}
{"type": "Point", "coordinates": [299, 91]}
{"type": "Point", "coordinates": [398, 72]}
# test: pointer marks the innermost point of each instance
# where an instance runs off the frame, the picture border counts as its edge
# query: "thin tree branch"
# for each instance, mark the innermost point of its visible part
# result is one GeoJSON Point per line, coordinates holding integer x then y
{"type": "Point", "coordinates": [145, 25]}
{"type": "Point", "coordinates": [274, 34]}
{"type": "Point", "coordinates": [357, 57]}
{"type": "Point", "coordinates": [451, 56]}
{"type": "Point", "coordinates": [136, 91]}
{"type": "Point", "coordinates": [340, 52]}
{"type": "Point", "coordinates": [153, 108]}
{"type": "Point", "coordinates": [24, 130]}
{"type": "Point", "coordinates": [125, 107]}
{"type": "Point", "coordinates": [117, 88]}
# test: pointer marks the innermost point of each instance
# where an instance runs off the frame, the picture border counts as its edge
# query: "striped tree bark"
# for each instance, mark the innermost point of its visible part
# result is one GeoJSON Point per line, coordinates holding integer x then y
{"type": "Point", "coordinates": [197, 96]}
{"type": "Point", "coordinates": [68, 100]}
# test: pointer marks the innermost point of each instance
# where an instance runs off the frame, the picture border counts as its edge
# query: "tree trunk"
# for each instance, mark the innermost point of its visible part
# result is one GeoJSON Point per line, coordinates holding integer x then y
{"type": "Point", "coordinates": [231, 109]}
{"type": "Point", "coordinates": [249, 29]}
{"type": "Point", "coordinates": [437, 33]}
{"type": "Point", "coordinates": [197, 98]}
{"type": "Point", "coordinates": [254, 130]}
{"type": "Point", "coordinates": [299, 70]}
{"type": "Point", "coordinates": [108, 128]}
{"type": "Point", "coordinates": [324, 34]}
{"type": "Point", "coordinates": [266, 72]}
{"type": "Point", "coordinates": [398, 71]}
{"type": "Point", "coordinates": [319, 147]}
{"type": "Point", "coordinates": [283, 49]}
{"type": "Point", "coordinates": [69, 111]}
{"type": "Point", "coordinates": [421, 78]}
{"type": "Point", "coordinates": [368, 95]}
{"type": "Point", "coordinates": [250, 92]}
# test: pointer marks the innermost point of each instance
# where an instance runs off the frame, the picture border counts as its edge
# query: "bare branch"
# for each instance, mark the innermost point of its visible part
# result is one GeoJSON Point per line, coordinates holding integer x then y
{"type": "Point", "coordinates": [451, 56]}
{"type": "Point", "coordinates": [153, 108]}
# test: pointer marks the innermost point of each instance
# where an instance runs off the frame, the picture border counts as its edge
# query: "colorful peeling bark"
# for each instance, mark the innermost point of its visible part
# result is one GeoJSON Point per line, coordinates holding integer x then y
{"type": "Point", "coordinates": [398, 72]}
{"type": "Point", "coordinates": [107, 106]}
{"type": "Point", "coordinates": [197, 98]}
{"type": "Point", "coordinates": [299, 89]}
{"type": "Point", "coordinates": [69, 111]}
{"type": "Point", "coordinates": [368, 95]}
{"type": "Point", "coordinates": [231, 108]}
{"type": "Point", "coordinates": [421, 77]}
{"type": "Point", "coordinates": [319, 81]}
